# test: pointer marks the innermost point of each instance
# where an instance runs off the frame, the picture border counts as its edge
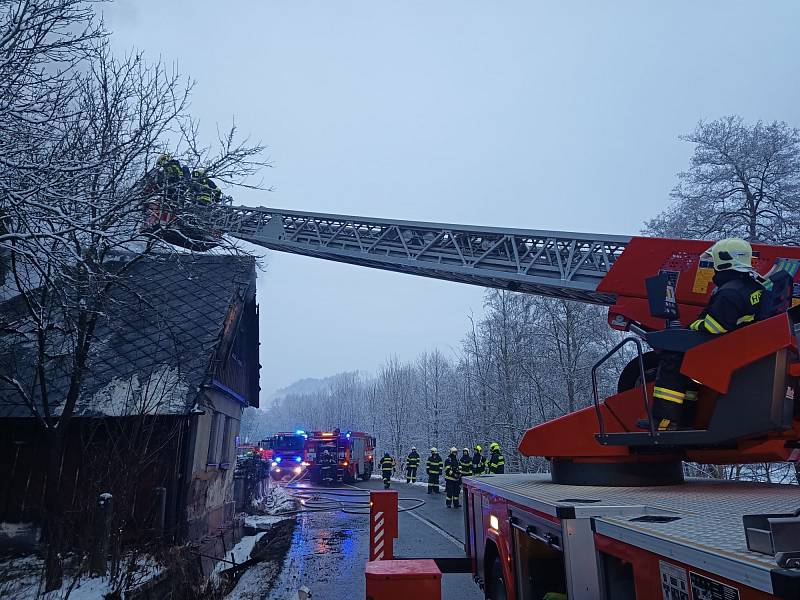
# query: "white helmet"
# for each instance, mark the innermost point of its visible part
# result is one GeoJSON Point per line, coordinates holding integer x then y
{"type": "Point", "coordinates": [730, 254]}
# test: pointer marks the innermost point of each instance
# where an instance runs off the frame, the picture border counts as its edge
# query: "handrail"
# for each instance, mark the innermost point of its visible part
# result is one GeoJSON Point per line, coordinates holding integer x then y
{"type": "Point", "coordinates": [596, 394]}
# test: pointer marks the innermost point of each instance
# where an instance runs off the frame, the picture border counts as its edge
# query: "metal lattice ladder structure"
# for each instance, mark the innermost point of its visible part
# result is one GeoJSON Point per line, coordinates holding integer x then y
{"type": "Point", "coordinates": [548, 263]}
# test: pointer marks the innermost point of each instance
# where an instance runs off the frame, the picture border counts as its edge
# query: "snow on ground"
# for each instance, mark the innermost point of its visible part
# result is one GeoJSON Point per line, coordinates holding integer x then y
{"type": "Point", "coordinates": [251, 585]}
{"type": "Point", "coordinates": [21, 579]}
{"type": "Point", "coordinates": [239, 553]}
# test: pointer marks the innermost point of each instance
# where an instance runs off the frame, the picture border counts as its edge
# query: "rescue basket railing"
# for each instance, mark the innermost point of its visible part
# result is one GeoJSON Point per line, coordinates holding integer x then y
{"type": "Point", "coordinates": [596, 393]}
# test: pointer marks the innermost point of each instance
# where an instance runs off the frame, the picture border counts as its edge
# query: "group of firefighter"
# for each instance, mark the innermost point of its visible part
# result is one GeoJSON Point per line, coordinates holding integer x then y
{"type": "Point", "coordinates": [453, 468]}
{"type": "Point", "coordinates": [178, 182]}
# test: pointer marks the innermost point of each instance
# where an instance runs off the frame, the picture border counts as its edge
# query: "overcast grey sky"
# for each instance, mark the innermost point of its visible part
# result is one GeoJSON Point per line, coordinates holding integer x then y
{"type": "Point", "coordinates": [545, 115]}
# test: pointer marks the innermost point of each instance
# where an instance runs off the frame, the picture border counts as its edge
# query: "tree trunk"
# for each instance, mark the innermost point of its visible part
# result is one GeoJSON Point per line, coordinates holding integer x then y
{"type": "Point", "coordinates": [53, 517]}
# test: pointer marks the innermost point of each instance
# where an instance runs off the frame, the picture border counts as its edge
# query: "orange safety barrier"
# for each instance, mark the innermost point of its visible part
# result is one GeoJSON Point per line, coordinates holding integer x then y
{"type": "Point", "coordinates": [382, 524]}
{"type": "Point", "coordinates": [420, 579]}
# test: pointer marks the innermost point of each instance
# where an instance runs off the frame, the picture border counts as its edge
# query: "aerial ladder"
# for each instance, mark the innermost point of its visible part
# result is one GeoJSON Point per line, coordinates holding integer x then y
{"type": "Point", "coordinates": [747, 411]}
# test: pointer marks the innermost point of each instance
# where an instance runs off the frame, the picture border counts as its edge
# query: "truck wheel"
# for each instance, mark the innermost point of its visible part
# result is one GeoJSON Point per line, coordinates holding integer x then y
{"type": "Point", "coordinates": [367, 473]}
{"type": "Point", "coordinates": [631, 376]}
{"type": "Point", "coordinates": [496, 585]}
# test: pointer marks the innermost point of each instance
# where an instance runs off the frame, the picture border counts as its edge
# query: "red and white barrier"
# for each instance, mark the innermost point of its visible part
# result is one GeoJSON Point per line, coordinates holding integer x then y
{"type": "Point", "coordinates": [382, 524]}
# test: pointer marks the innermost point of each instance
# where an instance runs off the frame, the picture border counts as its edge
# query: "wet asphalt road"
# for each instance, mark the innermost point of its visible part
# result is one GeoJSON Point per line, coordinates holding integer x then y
{"type": "Point", "coordinates": [329, 549]}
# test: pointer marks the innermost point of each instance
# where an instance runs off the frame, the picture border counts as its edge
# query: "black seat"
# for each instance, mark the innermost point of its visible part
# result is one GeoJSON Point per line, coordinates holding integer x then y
{"type": "Point", "coordinates": [677, 340]}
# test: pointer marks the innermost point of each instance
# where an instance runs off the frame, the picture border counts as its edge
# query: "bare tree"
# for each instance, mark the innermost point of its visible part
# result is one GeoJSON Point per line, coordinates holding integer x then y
{"type": "Point", "coordinates": [73, 199]}
{"type": "Point", "coordinates": [743, 180]}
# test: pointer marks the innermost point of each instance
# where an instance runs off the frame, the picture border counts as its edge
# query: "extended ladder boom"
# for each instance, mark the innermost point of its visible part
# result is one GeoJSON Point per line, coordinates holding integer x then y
{"type": "Point", "coordinates": [549, 263]}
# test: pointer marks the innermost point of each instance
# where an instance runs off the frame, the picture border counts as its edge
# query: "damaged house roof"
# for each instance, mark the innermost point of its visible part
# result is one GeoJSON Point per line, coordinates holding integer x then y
{"type": "Point", "coordinates": [153, 346]}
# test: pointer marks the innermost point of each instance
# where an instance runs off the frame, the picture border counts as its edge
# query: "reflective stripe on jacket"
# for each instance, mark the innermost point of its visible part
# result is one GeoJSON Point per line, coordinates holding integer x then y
{"type": "Point", "coordinates": [434, 465]}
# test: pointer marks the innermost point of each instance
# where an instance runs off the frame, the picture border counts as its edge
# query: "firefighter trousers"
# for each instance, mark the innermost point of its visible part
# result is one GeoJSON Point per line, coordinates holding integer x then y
{"type": "Point", "coordinates": [452, 488]}
{"type": "Point", "coordinates": [433, 483]}
{"type": "Point", "coordinates": [387, 478]}
{"type": "Point", "coordinates": [411, 474]}
{"type": "Point", "coordinates": [674, 395]}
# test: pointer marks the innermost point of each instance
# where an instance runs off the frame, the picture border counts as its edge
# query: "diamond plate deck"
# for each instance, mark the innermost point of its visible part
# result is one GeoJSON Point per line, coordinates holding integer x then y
{"type": "Point", "coordinates": [708, 534]}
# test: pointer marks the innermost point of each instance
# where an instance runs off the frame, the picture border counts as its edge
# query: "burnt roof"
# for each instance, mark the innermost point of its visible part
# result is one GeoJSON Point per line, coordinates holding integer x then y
{"type": "Point", "coordinates": [154, 345]}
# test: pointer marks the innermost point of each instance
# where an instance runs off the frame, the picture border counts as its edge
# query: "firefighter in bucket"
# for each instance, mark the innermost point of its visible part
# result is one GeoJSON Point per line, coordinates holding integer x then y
{"type": "Point", "coordinates": [181, 206]}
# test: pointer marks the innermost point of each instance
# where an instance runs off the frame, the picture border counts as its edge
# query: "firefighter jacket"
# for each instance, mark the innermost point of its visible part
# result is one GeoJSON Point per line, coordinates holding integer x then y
{"type": "Point", "coordinates": [452, 471]}
{"type": "Point", "coordinates": [465, 465]}
{"type": "Point", "coordinates": [478, 463]}
{"type": "Point", "coordinates": [387, 463]}
{"type": "Point", "coordinates": [412, 460]}
{"type": "Point", "coordinates": [734, 303]}
{"type": "Point", "coordinates": [497, 463]}
{"type": "Point", "coordinates": [434, 465]}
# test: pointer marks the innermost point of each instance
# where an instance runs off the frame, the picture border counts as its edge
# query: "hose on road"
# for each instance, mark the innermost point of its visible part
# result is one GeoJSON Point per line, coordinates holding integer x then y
{"type": "Point", "coordinates": [347, 500]}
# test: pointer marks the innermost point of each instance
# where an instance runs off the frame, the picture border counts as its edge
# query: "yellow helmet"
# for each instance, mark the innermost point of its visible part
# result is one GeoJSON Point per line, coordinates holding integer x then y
{"type": "Point", "coordinates": [163, 159]}
{"type": "Point", "coordinates": [478, 447]}
{"type": "Point", "coordinates": [730, 254]}
{"type": "Point", "coordinates": [494, 446]}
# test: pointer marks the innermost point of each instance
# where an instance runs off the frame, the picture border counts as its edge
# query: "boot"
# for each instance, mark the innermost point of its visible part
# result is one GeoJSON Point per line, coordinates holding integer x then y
{"type": "Point", "coordinates": [429, 490]}
{"type": "Point", "coordinates": [661, 425]}
{"type": "Point", "coordinates": [667, 416]}
{"type": "Point", "coordinates": [447, 502]}
{"type": "Point", "coordinates": [456, 504]}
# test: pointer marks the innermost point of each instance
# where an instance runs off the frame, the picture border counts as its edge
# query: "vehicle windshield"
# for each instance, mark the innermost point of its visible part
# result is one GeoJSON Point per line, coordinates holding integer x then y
{"type": "Point", "coordinates": [288, 443]}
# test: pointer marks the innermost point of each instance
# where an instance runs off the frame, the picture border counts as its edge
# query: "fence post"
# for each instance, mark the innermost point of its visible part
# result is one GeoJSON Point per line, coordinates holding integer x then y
{"type": "Point", "coordinates": [382, 524]}
{"type": "Point", "coordinates": [102, 534]}
{"type": "Point", "coordinates": [159, 510]}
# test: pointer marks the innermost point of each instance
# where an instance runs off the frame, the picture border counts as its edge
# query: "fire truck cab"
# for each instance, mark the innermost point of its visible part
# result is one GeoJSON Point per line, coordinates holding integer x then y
{"type": "Point", "coordinates": [288, 454]}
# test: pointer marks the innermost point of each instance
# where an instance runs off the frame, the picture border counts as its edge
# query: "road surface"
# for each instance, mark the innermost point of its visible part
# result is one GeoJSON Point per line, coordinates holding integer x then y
{"type": "Point", "coordinates": [329, 549]}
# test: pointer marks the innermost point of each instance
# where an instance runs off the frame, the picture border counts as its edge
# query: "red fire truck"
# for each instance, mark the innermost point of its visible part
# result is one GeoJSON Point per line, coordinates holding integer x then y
{"type": "Point", "coordinates": [354, 452]}
{"type": "Point", "coordinates": [288, 454]}
{"type": "Point", "coordinates": [614, 518]}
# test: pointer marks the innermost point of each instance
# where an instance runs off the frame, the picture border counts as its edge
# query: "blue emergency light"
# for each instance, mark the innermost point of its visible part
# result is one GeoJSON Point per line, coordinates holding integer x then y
{"type": "Point", "coordinates": [278, 459]}
{"type": "Point", "coordinates": [300, 432]}
{"type": "Point", "coordinates": [298, 459]}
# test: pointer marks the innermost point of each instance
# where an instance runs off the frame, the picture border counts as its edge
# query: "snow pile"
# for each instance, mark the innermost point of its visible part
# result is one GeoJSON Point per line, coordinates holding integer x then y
{"type": "Point", "coordinates": [275, 506]}
{"type": "Point", "coordinates": [276, 501]}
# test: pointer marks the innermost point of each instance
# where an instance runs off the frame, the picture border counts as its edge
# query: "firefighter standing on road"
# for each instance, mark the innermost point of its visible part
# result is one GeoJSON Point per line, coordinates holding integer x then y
{"type": "Point", "coordinates": [387, 466]}
{"type": "Point", "coordinates": [452, 478]}
{"type": "Point", "coordinates": [465, 463]}
{"type": "Point", "coordinates": [412, 464]}
{"type": "Point", "coordinates": [433, 468]}
{"type": "Point", "coordinates": [497, 462]}
{"type": "Point", "coordinates": [327, 468]}
{"type": "Point", "coordinates": [478, 461]}
{"type": "Point", "coordinates": [734, 303]}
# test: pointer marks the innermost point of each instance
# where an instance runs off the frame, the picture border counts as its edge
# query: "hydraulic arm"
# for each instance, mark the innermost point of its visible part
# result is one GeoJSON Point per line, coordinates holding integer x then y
{"type": "Point", "coordinates": [549, 263]}
{"type": "Point", "coordinates": [747, 409]}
